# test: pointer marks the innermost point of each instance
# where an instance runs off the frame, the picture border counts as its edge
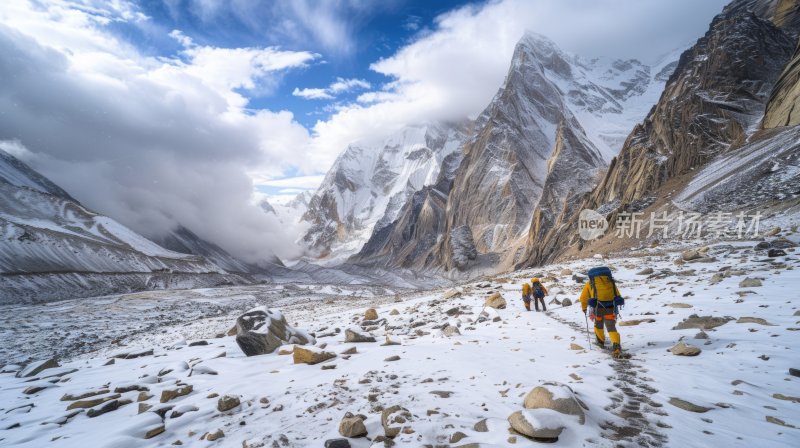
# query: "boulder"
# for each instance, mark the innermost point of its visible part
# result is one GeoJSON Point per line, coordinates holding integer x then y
{"type": "Point", "coordinates": [772, 253]}
{"type": "Point", "coordinates": [773, 231]}
{"type": "Point", "coordinates": [716, 278]}
{"type": "Point", "coordinates": [496, 301]}
{"type": "Point", "coordinates": [393, 419]}
{"type": "Point", "coordinates": [682, 349]}
{"type": "Point", "coordinates": [352, 426]}
{"type": "Point", "coordinates": [371, 314]}
{"type": "Point", "coordinates": [37, 367]}
{"type": "Point", "coordinates": [337, 443]}
{"type": "Point", "coordinates": [566, 271]}
{"type": "Point", "coordinates": [357, 335]}
{"type": "Point", "coordinates": [216, 435]}
{"type": "Point", "coordinates": [394, 312]}
{"type": "Point", "coordinates": [227, 402]}
{"type": "Point", "coordinates": [171, 394]}
{"type": "Point", "coordinates": [311, 355]}
{"type": "Point", "coordinates": [451, 330]}
{"type": "Point", "coordinates": [262, 330]}
{"type": "Point", "coordinates": [645, 271]}
{"type": "Point", "coordinates": [691, 254]}
{"type": "Point", "coordinates": [554, 397]}
{"type": "Point", "coordinates": [750, 283]}
{"type": "Point", "coordinates": [544, 424]}
{"type": "Point", "coordinates": [566, 302]}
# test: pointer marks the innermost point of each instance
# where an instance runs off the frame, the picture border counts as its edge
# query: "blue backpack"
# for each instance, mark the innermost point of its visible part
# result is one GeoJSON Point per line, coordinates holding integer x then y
{"type": "Point", "coordinates": [537, 290]}
{"type": "Point", "coordinates": [616, 302]}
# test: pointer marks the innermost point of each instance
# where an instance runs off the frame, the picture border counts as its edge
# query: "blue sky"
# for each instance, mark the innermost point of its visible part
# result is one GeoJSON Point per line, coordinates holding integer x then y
{"type": "Point", "coordinates": [375, 30]}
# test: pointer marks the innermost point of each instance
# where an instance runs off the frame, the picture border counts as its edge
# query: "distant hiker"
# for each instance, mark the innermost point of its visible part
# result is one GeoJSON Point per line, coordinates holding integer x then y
{"type": "Point", "coordinates": [538, 291]}
{"type": "Point", "coordinates": [601, 297]}
{"type": "Point", "coordinates": [526, 295]}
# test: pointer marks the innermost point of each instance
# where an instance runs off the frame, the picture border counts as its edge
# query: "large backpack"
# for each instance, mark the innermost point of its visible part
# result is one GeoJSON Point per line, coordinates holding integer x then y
{"type": "Point", "coordinates": [616, 301]}
{"type": "Point", "coordinates": [538, 292]}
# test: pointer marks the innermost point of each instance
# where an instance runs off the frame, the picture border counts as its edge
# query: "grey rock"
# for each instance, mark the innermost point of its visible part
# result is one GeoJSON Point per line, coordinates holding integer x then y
{"type": "Point", "coordinates": [687, 406]}
{"type": "Point", "coordinates": [356, 336]}
{"type": "Point", "coordinates": [682, 349]}
{"type": "Point", "coordinates": [261, 331]}
{"type": "Point", "coordinates": [524, 422]}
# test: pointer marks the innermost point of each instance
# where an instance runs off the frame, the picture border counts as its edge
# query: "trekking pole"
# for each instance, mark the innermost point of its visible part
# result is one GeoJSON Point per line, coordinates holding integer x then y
{"type": "Point", "coordinates": [588, 335]}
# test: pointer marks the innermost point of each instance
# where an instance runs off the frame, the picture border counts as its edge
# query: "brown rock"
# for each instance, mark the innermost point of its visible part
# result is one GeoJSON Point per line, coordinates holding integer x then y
{"type": "Point", "coordinates": [541, 397]}
{"type": "Point", "coordinates": [682, 349]}
{"type": "Point", "coordinates": [352, 426]}
{"type": "Point", "coordinates": [687, 406]}
{"type": "Point", "coordinates": [496, 301]}
{"type": "Point", "coordinates": [85, 404]}
{"type": "Point", "coordinates": [171, 394]}
{"type": "Point", "coordinates": [218, 434]}
{"type": "Point", "coordinates": [393, 419]}
{"type": "Point", "coordinates": [309, 355]}
{"type": "Point", "coordinates": [526, 423]}
{"type": "Point", "coordinates": [152, 432]}
{"type": "Point", "coordinates": [227, 402]}
{"type": "Point", "coordinates": [371, 314]}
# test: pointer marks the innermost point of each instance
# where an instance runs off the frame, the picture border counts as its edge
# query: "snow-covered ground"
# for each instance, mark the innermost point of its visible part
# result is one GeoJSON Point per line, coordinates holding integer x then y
{"type": "Point", "coordinates": [740, 380]}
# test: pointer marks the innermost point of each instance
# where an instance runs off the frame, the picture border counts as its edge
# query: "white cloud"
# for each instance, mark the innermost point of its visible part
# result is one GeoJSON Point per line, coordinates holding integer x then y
{"type": "Point", "coordinates": [298, 182]}
{"type": "Point", "coordinates": [150, 141]}
{"type": "Point", "coordinates": [341, 85]}
{"type": "Point", "coordinates": [312, 94]}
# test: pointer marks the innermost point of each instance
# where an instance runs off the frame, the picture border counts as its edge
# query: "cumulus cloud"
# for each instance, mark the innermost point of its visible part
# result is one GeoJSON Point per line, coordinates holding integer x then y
{"type": "Point", "coordinates": [153, 142]}
{"type": "Point", "coordinates": [341, 85]}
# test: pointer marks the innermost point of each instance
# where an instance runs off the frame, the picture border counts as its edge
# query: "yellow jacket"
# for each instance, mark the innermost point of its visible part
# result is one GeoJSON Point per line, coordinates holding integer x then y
{"type": "Point", "coordinates": [606, 290]}
{"type": "Point", "coordinates": [526, 289]}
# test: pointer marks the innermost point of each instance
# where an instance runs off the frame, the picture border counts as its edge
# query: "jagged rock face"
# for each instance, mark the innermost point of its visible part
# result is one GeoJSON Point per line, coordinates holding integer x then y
{"type": "Point", "coordinates": [715, 98]}
{"type": "Point", "coordinates": [367, 186]}
{"type": "Point", "coordinates": [410, 240]}
{"type": "Point", "coordinates": [783, 108]}
{"type": "Point", "coordinates": [531, 146]}
{"type": "Point", "coordinates": [512, 157]}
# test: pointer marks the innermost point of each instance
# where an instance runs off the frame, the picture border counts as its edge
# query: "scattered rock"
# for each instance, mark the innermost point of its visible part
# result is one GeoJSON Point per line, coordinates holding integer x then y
{"type": "Point", "coordinates": [227, 402]}
{"type": "Point", "coordinates": [786, 398]}
{"type": "Point", "coordinates": [566, 302]}
{"type": "Point", "coordinates": [144, 407]}
{"type": "Point", "coordinates": [752, 320]}
{"type": "Point", "coordinates": [442, 393]}
{"type": "Point", "coordinates": [371, 314]}
{"type": "Point", "coordinates": [716, 278]}
{"type": "Point", "coordinates": [154, 431]}
{"type": "Point", "coordinates": [559, 399]}
{"type": "Point", "coordinates": [579, 279]}
{"type": "Point", "coordinates": [566, 271]}
{"type": "Point", "coordinates": [392, 358]}
{"type": "Point", "coordinates": [701, 335]}
{"type": "Point", "coordinates": [130, 388]}
{"type": "Point", "coordinates": [451, 330]}
{"type": "Point", "coordinates": [634, 322]}
{"type": "Point", "coordinates": [702, 322]}
{"type": "Point", "coordinates": [645, 271]}
{"type": "Point", "coordinates": [85, 404]}
{"type": "Point", "coordinates": [680, 305]}
{"type": "Point", "coordinates": [262, 330]}
{"type": "Point", "coordinates": [682, 349]}
{"type": "Point", "coordinates": [773, 231]}
{"type": "Point", "coordinates": [481, 426]}
{"type": "Point", "coordinates": [496, 301]}
{"type": "Point", "coordinates": [457, 437]}
{"type": "Point", "coordinates": [356, 335]}
{"type": "Point", "coordinates": [171, 394]}
{"type": "Point", "coordinates": [393, 420]}
{"type": "Point", "coordinates": [687, 406]}
{"type": "Point", "coordinates": [575, 346]}
{"type": "Point", "coordinates": [540, 424]}
{"type": "Point", "coordinates": [389, 341]}
{"type": "Point", "coordinates": [352, 426]}
{"type": "Point", "coordinates": [394, 312]}
{"type": "Point", "coordinates": [218, 434]}
{"type": "Point", "coordinates": [198, 343]}
{"type": "Point", "coordinates": [794, 372]}
{"type": "Point", "coordinates": [778, 421]}
{"type": "Point", "coordinates": [86, 394]}
{"type": "Point", "coordinates": [311, 355]}
{"type": "Point", "coordinates": [37, 367]}
{"type": "Point", "coordinates": [451, 294]}
{"type": "Point", "coordinates": [773, 253]}
{"type": "Point", "coordinates": [111, 405]}
{"type": "Point", "coordinates": [337, 443]}
{"type": "Point", "coordinates": [750, 283]}
{"type": "Point", "coordinates": [350, 351]}
{"type": "Point", "coordinates": [691, 254]}
{"type": "Point", "coordinates": [144, 396]}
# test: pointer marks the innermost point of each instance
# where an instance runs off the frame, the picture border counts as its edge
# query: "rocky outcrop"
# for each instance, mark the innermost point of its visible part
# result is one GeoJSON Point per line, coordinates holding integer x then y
{"type": "Point", "coordinates": [783, 108]}
{"type": "Point", "coordinates": [262, 330]}
{"type": "Point", "coordinates": [368, 184]}
{"type": "Point", "coordinates": [714, 99]}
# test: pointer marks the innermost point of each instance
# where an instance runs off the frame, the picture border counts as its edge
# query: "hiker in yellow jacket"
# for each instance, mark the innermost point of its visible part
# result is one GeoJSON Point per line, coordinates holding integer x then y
{"type": "Point", "coordinates": [538, 291]}
{"type": "Point", "coordinates": [601, 297]}
{"type": "Point", "coordinates": [526, 295]}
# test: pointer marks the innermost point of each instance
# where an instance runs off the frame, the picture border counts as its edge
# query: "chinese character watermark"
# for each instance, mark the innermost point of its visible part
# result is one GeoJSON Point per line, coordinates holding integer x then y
{"type": "Point", "coordinates": [685, 225]}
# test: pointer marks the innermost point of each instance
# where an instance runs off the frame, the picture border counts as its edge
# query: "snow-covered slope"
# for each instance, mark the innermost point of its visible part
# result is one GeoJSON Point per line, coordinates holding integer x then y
{"type": "Point", "coordinates": [460, 369]}
{"type": "Point", "coordinates": [52, 247]}
{"type": "Point", "coordinates": [367, 185]}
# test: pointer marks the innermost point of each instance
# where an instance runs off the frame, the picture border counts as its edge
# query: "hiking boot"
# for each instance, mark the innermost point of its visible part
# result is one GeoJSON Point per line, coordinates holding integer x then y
{"type": "Point", "coordinates": [616, 350]}
{"type": "Point", "coordinates": [600, 343]}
